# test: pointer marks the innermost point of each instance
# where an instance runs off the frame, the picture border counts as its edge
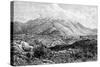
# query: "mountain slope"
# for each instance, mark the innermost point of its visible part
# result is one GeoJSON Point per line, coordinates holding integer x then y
{"type": "Point", "coordinates": [65, 27]}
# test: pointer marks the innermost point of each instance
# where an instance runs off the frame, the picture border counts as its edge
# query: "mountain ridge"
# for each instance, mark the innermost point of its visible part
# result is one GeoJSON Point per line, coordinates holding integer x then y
{"type": "Point", "coordinates": [65, 27]}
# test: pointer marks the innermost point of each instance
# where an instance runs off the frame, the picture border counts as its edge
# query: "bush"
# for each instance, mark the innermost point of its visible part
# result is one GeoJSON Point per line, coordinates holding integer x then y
{"type": "Point", "coordinates": [41, 52]}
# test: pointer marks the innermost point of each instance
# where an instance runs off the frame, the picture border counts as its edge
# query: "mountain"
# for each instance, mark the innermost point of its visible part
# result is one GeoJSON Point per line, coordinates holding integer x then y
{"type": "Point", "coordinates": [73, 29]}
{"type": "Point", "coordinates": [19, 27]}
{"type": "Point", "coordinates": [65, 27]}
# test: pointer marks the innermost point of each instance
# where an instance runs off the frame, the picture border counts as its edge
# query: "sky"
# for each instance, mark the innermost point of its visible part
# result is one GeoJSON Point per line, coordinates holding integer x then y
{"type": "Point", "coordinates": [84, 14]}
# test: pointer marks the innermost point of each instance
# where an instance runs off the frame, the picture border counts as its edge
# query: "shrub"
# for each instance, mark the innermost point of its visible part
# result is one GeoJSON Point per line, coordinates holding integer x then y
{"type": "Point", "coordinates": [41, 52]}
